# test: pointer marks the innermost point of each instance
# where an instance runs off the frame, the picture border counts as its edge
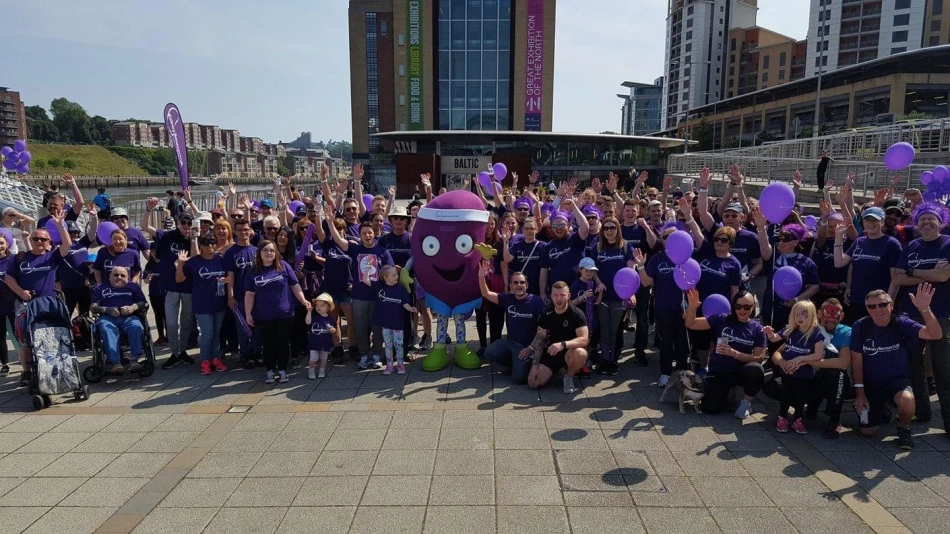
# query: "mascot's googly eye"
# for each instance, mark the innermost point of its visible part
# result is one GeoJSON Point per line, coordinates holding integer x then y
{"type": "Point", "coordinates": [431, 245]}
{"type": "Point", "coordinates": [463, 244]}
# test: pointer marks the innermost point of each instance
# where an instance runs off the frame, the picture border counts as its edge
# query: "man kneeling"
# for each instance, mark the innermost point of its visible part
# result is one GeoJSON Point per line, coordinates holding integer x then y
{"type": "Point", "coordinates": [118, 302]}
{"type": "Point", "coordinates": [560, 342]}
{"type": "Point", "coordinates": [879, 365]}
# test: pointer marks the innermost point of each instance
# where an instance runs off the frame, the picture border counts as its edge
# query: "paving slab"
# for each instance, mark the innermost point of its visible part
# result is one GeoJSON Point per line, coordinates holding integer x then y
{"type": "Point", "coordinates": [389, 519]}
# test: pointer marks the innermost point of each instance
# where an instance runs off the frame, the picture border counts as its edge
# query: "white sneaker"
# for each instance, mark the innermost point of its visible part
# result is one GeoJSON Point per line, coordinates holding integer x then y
{"type": "Point", "coordinates": [269, 377]}
{"type": "Point", "coordinates": [744, 409]}
{"type": "Point", "coordinates": [569, 385]}
{"type": "Point", "coordinates": [283, 377]}
{"type": "Point", "coordinates": [311, 374]}
{"type": "Point", "coordinates": [664, 380]}
{"type": "Point", "coordinates": [323, 373]}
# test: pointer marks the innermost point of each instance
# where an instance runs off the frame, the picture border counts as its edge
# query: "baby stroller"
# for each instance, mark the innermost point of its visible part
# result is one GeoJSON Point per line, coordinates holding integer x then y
{"type": "Point", "coordinates": [54, 368]}
{"type": "Point", "coordinates": [96, 371]}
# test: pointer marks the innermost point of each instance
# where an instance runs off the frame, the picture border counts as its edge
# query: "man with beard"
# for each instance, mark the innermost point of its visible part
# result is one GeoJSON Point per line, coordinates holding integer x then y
{"type": "Point", "coordinates": [522, 311]}
{"type": "Point", "coordinates": [560, 342]}
{"type": "Point", "coordinates": [564, 251]}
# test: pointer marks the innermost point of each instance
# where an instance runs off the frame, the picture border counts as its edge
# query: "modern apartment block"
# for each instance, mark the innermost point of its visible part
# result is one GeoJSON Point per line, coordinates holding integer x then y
{"type": "Point", "coordinates": [420, 65]}
{"type": "Point", "coordinates": [847, 32]}
{"type": "Point", "coordinates": [641, 111]}
{"type": "Point", "coordinates": [12, 117]}
{"type": "Point", "coordinates": [760, 58]}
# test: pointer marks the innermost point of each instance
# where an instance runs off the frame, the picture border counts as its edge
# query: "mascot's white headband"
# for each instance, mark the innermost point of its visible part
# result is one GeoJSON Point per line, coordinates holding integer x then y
{"type": "Point", "coordinates": [453, 215]}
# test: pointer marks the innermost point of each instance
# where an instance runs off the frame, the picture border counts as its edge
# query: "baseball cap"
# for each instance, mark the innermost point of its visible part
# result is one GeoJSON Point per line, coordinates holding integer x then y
{"type": "Point", "coordinates": [119, 212]}
{"type": "Point", "coordinates": [71, 226]}
{"type": "Point", "coordinates": [185, 216]}
{"type": "Point", "coordinates": [266, 203]}
{"type": "Point", "coordinates": [587, 263]}
{"type": "Point", "coordinates": [734, 206]}
{"type": "Point", "coordinates": [873, 213]}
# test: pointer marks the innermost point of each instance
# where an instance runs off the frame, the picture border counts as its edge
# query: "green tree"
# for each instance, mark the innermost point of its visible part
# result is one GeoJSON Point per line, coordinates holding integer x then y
{"type": "Point", "coordinates": [103, 130]}
{"type": "Point", "coordinates": [41, 130]}
{"type": "Point", "coordinates": [282, 169]}
{"type": "Point", "coordinates": [72, 121]}
{"type": "Point", "coordinates": [36, 113]}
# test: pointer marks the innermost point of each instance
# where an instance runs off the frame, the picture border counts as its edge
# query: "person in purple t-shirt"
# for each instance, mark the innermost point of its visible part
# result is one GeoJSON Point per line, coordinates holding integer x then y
{"type": "Point", "coordinates": [522, 311]}
{"type": "Point", "coordinates": [117, 254]}
{"type": "Point", "coordinates": [208, 281]}
{"type": "Point", "coordinates": [803, 344]}
{"type": "Point", "coordinates": [238, 261]}
{"type": "Point", "coordinates": [118, 302]}
{"type": "Point", "coordinates": [872, 259]}
{"type": "Point", "coordinates": [389, 317]}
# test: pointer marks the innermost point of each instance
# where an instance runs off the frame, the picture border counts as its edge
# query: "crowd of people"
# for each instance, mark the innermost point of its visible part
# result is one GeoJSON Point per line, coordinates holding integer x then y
{"type": "Point", "coordinates": [273, 282]}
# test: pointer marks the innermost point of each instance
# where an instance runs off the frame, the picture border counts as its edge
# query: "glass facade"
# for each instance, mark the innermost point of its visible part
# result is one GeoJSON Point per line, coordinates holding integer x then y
{"type": "Point", "coordinates": [474, 65]}
{"type": "Point", "coordinates": [372, 80]}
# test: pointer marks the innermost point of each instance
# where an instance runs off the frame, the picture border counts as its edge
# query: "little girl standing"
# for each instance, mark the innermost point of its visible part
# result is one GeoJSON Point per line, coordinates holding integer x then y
{"type": "Point", "coordinates": [391, 306]}
{"type": "Point", "coordinates": [321, 333]}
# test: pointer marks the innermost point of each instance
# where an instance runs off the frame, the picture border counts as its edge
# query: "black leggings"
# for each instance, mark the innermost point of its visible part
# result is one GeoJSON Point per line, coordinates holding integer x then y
{"type": "Point", "coordinates": [494, 316]}
{"type": "Point", "coordinates": [830, 385]}
{"type": "Point", "coordinates": [300, 335]}
{"type": "Point", "coordinates": [718, 385]}
{"type": "Point", "coordinates": [5, 320]}
{"type": "Point", "coordinates": [794, 395]}
{"type": "Point", "coordinates": [80, 297]}
{"type": "Point", "coordinates": [158, 310]}
{"type": "Point", "coordinates": [674, 342]}
{"type": "Point", "coordinates": [275, 340]}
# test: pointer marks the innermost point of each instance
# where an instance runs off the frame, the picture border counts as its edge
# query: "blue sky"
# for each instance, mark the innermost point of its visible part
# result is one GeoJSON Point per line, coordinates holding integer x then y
{"type": "Point", "coordinates": [274, 69]}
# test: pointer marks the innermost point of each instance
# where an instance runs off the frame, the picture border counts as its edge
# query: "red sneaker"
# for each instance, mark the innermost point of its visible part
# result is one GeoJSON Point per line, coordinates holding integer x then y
{"type": "Point", "coordinates": [781, 425]}
{"type": "Point", "coordinates": [205, 367]}
{"type": "Point", "coordinates": [799, 427]}
{"type": "Point", "coordinates": [219, 365]}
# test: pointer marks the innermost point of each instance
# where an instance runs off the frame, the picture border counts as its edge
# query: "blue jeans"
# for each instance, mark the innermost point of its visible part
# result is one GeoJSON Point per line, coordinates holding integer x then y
{"type": "Point", "coordinates": [505, 352]}
{"type": "Point", "coordinates": [209, 335]}
{"type": "Point", "coordinates": [110, 328]}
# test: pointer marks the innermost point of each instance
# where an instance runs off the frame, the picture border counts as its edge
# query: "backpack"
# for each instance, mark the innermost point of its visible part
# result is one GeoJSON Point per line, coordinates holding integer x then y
{"type": "Point", "coordinates": [82, 327]}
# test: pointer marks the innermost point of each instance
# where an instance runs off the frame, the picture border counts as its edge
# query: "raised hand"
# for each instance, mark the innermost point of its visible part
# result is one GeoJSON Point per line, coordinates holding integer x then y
{"type": "Point", "coordinates": [692, 299]}
{"type": "Point", "coordinates": [881, 195]}
{"type": "Point", "coordinates": [596, 185]}
{"type": "Point", "coordinates": [685, 207]}
{"type": "Point", "coordinates": [392, 191]}
{"type": "Point", "coordinates": [358, 172]}
{"type": "Point", "coordinates": [797, 180]}
{"type": "Point", "coordinates": [925, 293]}
{"type": "Point", "coordinates": [151, 203]}
{"type": "Point", "coordinates": [824, 209]}
{"type": "Point", "coordinates": [612, 180]}
{"type": "Point", "coordinates": [426, 179]}
{"type": "Point", "coordinates": [232, 188]}
{"type": "Point", "coordinates": [704, 178]}
{"type": "Point", "coordinates": [638, 257]}
{"type": "Point", "coordinates": [187, 193]}
{"type": "Point", "coordinates": [759, 217]}
{"type": "Point", "coordinates": [667, 184]}
{"type": "Point", "coordinates": [484, 267]}
{"type": "Point", "coordinates": [67, 178]}
{"type": "Point", "coordinates": [840, 231]}
{"type": "Point", "coordinates": [643, 177]}
{"type": "Point", "coordinates": [182, 257]}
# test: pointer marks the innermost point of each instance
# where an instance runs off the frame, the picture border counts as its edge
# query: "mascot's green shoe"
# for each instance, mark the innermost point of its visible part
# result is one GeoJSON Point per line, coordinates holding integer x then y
{"type": "Point", "coordinates": [437, 359]}
{"type": "Point", "coordinates": [465, 358]}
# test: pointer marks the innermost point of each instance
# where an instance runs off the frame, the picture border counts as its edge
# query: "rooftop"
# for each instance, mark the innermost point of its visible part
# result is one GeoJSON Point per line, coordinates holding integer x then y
{"type": "Point", "coordinates": [489, 136]}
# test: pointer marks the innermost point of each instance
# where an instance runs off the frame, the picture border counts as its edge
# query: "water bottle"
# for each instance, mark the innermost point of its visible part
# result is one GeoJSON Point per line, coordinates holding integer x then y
{"type": "Point", "coordinates": [220, 292]}
{"type": "Point", "coordinates": [864, 416]}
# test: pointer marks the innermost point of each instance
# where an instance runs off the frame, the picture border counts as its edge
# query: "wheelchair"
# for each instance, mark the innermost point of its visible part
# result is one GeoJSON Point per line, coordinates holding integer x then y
{"type": "Point", "coordinates": [96, 371]}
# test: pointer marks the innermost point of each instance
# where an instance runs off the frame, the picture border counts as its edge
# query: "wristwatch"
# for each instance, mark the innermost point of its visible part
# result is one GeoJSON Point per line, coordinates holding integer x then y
{"type": "Point", "coordinates": [909, 272]}
{"type": "Point", "coordinates": [564, 345]}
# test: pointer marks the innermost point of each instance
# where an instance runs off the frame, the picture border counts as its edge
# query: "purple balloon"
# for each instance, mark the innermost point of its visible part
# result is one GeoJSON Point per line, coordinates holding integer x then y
{"type": "Point", "coordinates": [788, 282]}
{"type": "Point", "coordinates": [368, 201]}
{"type": "Point", "coordinates": [929, 197]}
{"type": "Point", "coordinates": [810, 222]}
{"type": "Point", "coordinates": [25, 157]}
{"type": "Point", "coordinates": [899, 156]}
{"type": "Point", "coordinates": [295, 205]}
{"type": "Point", "coordinates": [934, 187]}
{"type": "Point", "coordinates": [484, 179]}
{"type": "Point", "coordinates": [104, 232]}
{"type": "Point", "coordinates": [777, 202]}
{"type": "Point", "coordinates": [23, 168]}
{"type": "Point", "coordinates": [9, 165]}
{"type": "Point", "coordinates": [926, 177]}
{"type": "Point", "coordinates": [626, 283]}
{"type": "Point", "coordinates": [6, 151]}
{"type": "Point", "coordinates": [687, 275]}
{"type": "Point", "coordinates": [716, 304]}
{"type": "Point", "coordinates": [53, 231]}
{"type": "Point", "coordinates": [500, 171]}
{"type": "Point", "coordinates": [679, 247]}
{"type": "Point", "coordinates": [940, 172]}
{"type": "Point", "coordinates": [19, 145]}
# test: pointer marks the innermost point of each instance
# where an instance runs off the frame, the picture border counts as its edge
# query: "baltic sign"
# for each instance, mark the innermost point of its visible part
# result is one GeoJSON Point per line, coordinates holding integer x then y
{"type": "Point", "coordinates": [414, 50]}
{"type": "Point", "coordinates": [534, 66]}
{"type": "Point", "coordinates": [468, 165]}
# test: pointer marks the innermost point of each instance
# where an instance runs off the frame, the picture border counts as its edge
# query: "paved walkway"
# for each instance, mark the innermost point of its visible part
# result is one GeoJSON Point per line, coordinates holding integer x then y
{"type": "Point", "coordinates": [455, 451]}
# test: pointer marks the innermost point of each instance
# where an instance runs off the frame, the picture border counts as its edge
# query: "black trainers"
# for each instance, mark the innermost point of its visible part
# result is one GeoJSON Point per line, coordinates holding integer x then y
{"type": "Point", "coordinates": [641, 360]}
{"type": "Point", "coordinates": [188, 360]}
{"type": "Point", "coordinates": [248, 363]}
{"type": "Point", "coordinates": [905, 440]}
{"type": "Point", "coordinates": [172, 361]}
{"type": "Point", "coordinates": [354, 353]}
{"type": "Point", "coordinates": [832, 431]}
{"type": "Point", "coordinates": [24, 379]}
{"type": "Point", "coordinates": [337, 355]}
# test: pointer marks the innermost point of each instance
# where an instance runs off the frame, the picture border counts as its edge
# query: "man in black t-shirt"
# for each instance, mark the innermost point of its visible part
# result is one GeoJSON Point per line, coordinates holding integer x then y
{"type": "Point", "coordinates": [561, 341]}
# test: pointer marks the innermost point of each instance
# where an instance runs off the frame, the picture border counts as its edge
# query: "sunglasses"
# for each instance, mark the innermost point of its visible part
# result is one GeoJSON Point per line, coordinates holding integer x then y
{"type": "Point", "coordinates": [652, 195]}
{"type": "Point", "coordinates": [876, 306]}
{"type": "Point", "coordinates": [350, 209]}
{"type": "Point", "coordinates": [184, 223]}
{"type": "Point", "coordinates": [744, 307]}
{"type": "Point", "coordinates": [609, 228]}
{"type": "Point", "coordinates": [271, 228]}
{"type": "Point", "coordinates": [523, 209]}
{"type": "Point", "coordinates": [591, 218]}
{"type": "Point", "coordinates": [39, 239]}
{"type": "Point", "coordinates": [559, 225]}
{"type": "Point", "coordinates": [236, 215]}
{"type": "Point", "coordinates": [894, 212]}
{"type": "Point", "coordinates": [519, 283]}
{"type": "Point", "coordinates": [786, 239]}
{"type": "Point", "coordinates": [722, 239]}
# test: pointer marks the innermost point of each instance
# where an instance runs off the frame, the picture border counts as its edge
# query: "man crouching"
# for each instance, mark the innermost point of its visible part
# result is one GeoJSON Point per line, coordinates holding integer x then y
{"type": "Point", "coordinates": [560, 343]}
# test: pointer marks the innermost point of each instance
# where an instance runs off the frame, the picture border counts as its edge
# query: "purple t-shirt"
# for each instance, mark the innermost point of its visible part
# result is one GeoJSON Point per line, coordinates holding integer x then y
{"type": "Point", "coordinates": [561, 257]}
{"type": "Point", "coordinates": [106, 261]}
{"type": "Point", "coordinates": [719, 275]}
{"type": "Point", "coordinates": [239, 261]}
{"type": "Point", "coordinates": [802, 264]}
{"type": "Point", "coordinates": [272, 294]}
{"type": "Point", "coordinates": [799, 345]}
{"type": "Point", "coordinates": [116, 297]}
{"type": "Point", "coordinates": [337, 271]}
{"type": "Point", "coordinates": [609, 262]}
{"type": "Point", "coordinates": [37, 273]}
{"type": "Point", "coordinates": [389, 312]}
{"type": "Point", "coordinates": [526, 258]}
{"type": "Point", "coordinates": [320, 337]}
{"type": "Point", "coordinates": [667, 295]}
{"type": "Point", "coordinates": [169, 244]}
{"type": "Point", "coordinates": [521, 316]}
{"type": "Point", "coordinates": [743, 337]}
{"type": "Point", "coordinates": [398, 246]}
{"type": "Point", "coordinates": [871, 263]}
{"type": "Point", "coordinates": [923, 256]}
{"type": "Point", "coordinates": [7, 298]}
{"type": "Point", "coordinates": [824, 258]}
{"type": "Point", "coordinates": [136, 240]}
{"type": "Point", "coordinates": [73, 272]}
{"type": "Point", "coordinates": [884, 349]}
{"type": "Point", "coordinates": [204, 275]}
{"type": "Point", "coordinates": [367, 263]}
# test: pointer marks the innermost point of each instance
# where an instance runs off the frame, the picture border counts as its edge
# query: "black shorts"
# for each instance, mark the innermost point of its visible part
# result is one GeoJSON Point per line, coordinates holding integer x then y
{"type": "Point", "coordinates": [878, 396]}
{"type": "Point", "coordinates": [554, 363]}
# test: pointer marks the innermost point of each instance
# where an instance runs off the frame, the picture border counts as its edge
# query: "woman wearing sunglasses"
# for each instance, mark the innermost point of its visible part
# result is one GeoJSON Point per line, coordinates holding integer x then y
{"type": "Point", "coordinates": [873, 258]}
{"type": "Point", "coordinates": [721, 275]}
{"type": "Point", "coordinates": [612, 254]}
{"type": "Point", "coordinates": [774, 310]}
{"type": "Point", "coordinates": [738, 354]}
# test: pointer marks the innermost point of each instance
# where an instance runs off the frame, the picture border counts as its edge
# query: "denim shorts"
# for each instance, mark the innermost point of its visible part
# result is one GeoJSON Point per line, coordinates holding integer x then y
{"type": "Point", "coordinates": [342, 297]}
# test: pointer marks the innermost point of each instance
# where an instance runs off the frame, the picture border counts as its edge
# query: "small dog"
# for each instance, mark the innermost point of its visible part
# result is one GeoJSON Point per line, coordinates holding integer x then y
{"type": "Point", "coordinates": [690, 386]}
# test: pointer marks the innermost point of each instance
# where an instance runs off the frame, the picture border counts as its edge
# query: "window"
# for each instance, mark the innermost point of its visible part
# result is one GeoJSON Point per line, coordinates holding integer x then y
{"type": "Point", "coordinates": [899, 37]}
{"type": "Point", "coordinates": [901, 20]}
{"type": "Point", "coordinates": [689, 35]}
{"type": "Point", "coordinates": [401, 39]}
{"type": "Point", "coordinates": [731, 84]}
{"type": "Point", "coordinates": [934, 41]}
{"type": "Point", "coordinates": [781, 59]}
{"type": "Point", "coordinates": [765, 77]}
{"type": "Point", "coordinates": [689, 10]}
{"type": "Point", "coordinates": [781, 74]}
{"type": "Point", "coordinates": [402, 69]}
{"type": "Point", "coordinates": [689, 47]}
{"type": "Point", "coordinates": [686, 71]}
{"type": "Point", "coordinates": [765, 61]}
{"type": "Point", "coordinates": [730, 94]}
{"type": "Point", "coordinates": [898, 50]}
{"type": "Point", "coordinates": [383, 29]}
{"type": "Point", "coordinates": [402, 99]}
{"type": "Point", "coordinates": [689, 23]}
{"type": "Point", "coordinates": [732, 71]}
{"type": "Point", "coordinates": [732, 44]}
{"type": "Point", "coordinates": [901, 4]}
{"type": "Point", "coordinates": [937, 7]}
{"type": "Point", "coordinates": [935, 25]}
